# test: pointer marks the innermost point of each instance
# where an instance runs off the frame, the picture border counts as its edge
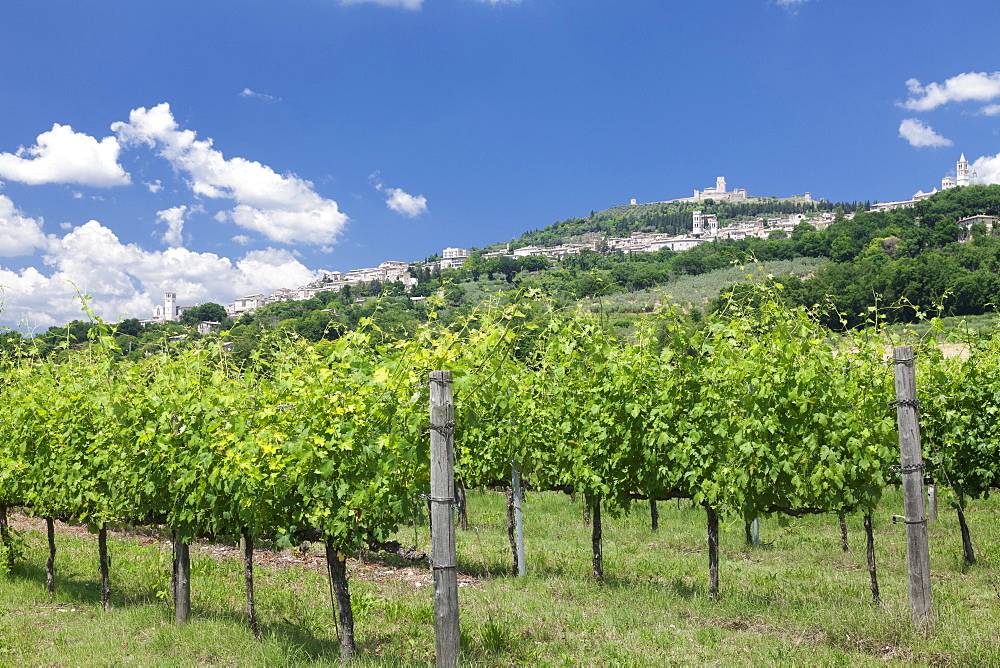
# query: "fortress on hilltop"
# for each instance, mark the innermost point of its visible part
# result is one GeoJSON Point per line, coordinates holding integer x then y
{"type": "Point", "coordinates": [720, 193]}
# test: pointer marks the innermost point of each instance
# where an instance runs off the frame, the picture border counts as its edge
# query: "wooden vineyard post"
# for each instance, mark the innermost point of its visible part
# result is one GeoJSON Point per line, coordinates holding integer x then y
{"type": "Point", "coordinates": [442, 499]}
{"type": "Point", "coordinates": [105, 564]}
{"type": "Point", "coordinates": [50, 563]}
{"type": "Point", "coordinates": [182, 580]}
{"type": "Point", "coordinates": [912, 470]}
{"type": "Point", "coordinates": [596, 539]}
{"type": "Point", "coordinates": [515, 479]}
{"type": "Point", "coordinates": [517, 495]}
{"type": "Point", "coordinates": [511, 530]}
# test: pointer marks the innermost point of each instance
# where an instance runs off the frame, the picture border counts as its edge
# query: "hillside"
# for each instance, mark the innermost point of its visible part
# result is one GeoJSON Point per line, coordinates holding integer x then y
{"type": "Point", "coordinates": [664, 217]}
{"type": "Point", "coordinates": [904, 262]}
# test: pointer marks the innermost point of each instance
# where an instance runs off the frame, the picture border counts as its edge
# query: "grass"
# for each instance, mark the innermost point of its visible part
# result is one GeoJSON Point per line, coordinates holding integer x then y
{"type": "Point", "coordinates": [798, 600]}
{"type": "Point", "coordinates": [955, 328]}
{"type": "Point", "coordinates": [701, 289]}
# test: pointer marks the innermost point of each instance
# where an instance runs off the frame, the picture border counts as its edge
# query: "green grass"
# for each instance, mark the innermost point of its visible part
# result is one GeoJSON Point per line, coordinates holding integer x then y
{"type": "Point", "coordinates": [797, 600]}
{"type": "Point", "coordinates": [952, 328]}
{"type": "Point", "coordinates": [701, 289]}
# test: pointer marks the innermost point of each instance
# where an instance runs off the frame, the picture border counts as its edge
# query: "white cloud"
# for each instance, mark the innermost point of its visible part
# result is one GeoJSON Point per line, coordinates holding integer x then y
{"type": "Point", "coordinates": [246, 92]}
{"type": "Point", "coordinates": [283, 208]}
{"type": "Point", "coordinates": [64, 156]}
{"type": "Point", "coordinates": [987, 168]}
{"type": "Point", "coordinates": [406, 204]}
{"type": "Point", "coordinates": [241, 239]}
{"type": "Point", "coordinates": [990, 110]}
{"type": "Point", "coordinates": [399, 200]}
{"type": "Point", "coordinates": [920, 134]}
{"type": "Point", "coordinates": [154, 187]}
{"type": "Point", "coordinates": [789, 3]}
{"type": "Point", "coordinates": [977, 86]}
{"type": "Point", "coordinates": [404, 4]}
{"type": "Point", "coordinates": [19, 235]}
{"type": "Point", "coordinates": [125, 280]}
{"type": "Point", "coordinates": [174, 218]}
{"type": "Point", "coordinates": [515, 2]}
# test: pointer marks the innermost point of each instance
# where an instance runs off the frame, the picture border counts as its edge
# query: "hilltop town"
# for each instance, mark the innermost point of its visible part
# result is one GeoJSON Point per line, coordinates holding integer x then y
{"type": "Point", "coordinates": [705, 227]}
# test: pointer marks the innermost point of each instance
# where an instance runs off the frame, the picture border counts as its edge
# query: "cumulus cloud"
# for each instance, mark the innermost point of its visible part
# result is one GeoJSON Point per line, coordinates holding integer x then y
{"type": "Point", "coordinates": [64, 156]}
{"type": "Point", "coordinates": [919, 134]}
{"type": "Point", "coordinates": [399, 200]}
{"type": "Point", "coordinates": [975, 86]}
{"type": "Point", "coordinates": [126, 281]}
{"type": "Point", "coordinates": [174, 218]}
{"type": "Point", "coordinates": [246, 92]}
{"type": "Point", "coordinates": [154, 187]}
{"type": "Point", "coordinates": [282, 207]}
{"type": "Point", "coordinates": [790, 4]}
{"type": "Point", "coordinates": [19, 234]}
{"type": "Point", "coordinates": [990, 110]}
{"type": "Point", "coordinates": [406, 204]}
{"type": "Point", "coordinates": [987, 168]}
{"type": "Point", "coordinates": [404, 4]}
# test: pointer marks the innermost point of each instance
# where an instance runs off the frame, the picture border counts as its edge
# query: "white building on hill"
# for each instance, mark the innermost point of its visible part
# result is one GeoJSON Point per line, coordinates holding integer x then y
{"type": "Point", "coordinates": [169, 311]}
{"type": "Point", "coordinates": [963, 177]}
{"type": "Point", "coordinates": [454, 258]}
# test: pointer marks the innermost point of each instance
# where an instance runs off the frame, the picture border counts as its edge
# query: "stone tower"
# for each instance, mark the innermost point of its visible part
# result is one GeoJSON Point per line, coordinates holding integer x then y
{"type": "Point", "coordinates": [169, 306]}
{"type": "Point", "coordinates": [962, 172]}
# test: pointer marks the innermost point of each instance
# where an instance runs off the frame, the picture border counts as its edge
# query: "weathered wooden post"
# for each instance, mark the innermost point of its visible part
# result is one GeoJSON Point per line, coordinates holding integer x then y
{"type": "Point", "coordinates": [105, 565]}
{"type": "Point", "coordinates": [912, 470]}
{"type": "Point", "coordinates": [50, 564]}
{"type": "Point", "coordinates": [517, 537]}
{"type": "Point", "coordinates": [515, 479]}
{"type": "Point", "coordinates": [182, 580]}
{"type": "Point", "coordinates": [442, 499]}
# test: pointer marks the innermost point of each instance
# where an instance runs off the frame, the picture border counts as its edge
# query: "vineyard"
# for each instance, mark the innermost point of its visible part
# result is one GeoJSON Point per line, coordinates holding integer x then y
{"type": "Point", "coordinates": [756, 413]}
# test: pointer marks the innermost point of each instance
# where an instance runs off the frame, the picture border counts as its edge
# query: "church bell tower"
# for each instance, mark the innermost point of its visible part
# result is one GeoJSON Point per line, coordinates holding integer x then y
{"type": "Point", "coordinates": [962, 172]}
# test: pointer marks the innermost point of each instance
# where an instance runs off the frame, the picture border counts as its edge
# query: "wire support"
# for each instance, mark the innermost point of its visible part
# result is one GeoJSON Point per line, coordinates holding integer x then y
{"type": "Point", "coordinates": [447, 429]}
{"type": "Point", "coordinates": [280, 407]}
{"type": "Point", "coordinates": [904, 469]}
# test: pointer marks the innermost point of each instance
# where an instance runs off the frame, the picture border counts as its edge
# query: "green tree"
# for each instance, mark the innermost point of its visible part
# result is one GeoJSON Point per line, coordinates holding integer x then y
{"type": "Point", "coordinates": [208, 311]}
{"type": "Point", "coordinates": [534, 263]}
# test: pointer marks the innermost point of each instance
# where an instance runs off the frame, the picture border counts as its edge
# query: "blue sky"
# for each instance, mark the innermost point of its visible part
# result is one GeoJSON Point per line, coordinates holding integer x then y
{"type": "Point", "coordinates": [225, 148]}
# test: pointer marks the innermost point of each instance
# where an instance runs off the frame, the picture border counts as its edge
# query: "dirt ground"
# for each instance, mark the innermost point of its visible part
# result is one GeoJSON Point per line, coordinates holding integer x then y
{"type": "Point", "coordinates": [369, 567]}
